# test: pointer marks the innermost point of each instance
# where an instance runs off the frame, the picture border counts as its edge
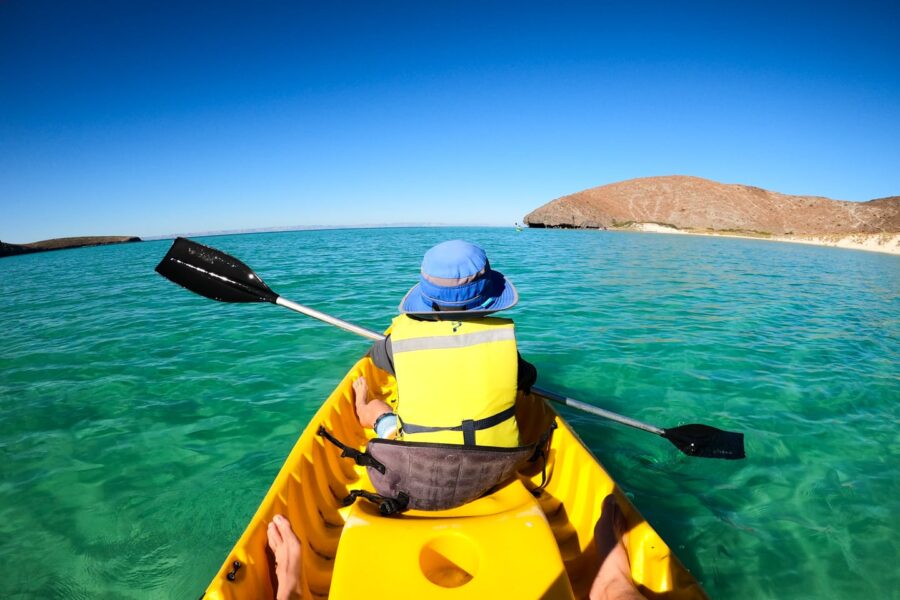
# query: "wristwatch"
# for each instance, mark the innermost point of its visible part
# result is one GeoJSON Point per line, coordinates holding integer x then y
{"type": "Point", "coordinates": [382, 417]}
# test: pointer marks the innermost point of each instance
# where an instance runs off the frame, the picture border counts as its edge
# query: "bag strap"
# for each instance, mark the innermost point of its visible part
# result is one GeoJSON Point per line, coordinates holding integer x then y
{"type": "Point", "coordinates": [386, 506]}
{"type": "Point", "coordinates": [363, 459]}
{"type": "Point", "coordinates": [540, 453]}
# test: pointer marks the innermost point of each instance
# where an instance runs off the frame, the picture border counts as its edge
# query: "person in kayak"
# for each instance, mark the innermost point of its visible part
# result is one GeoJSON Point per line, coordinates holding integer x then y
{"type": "Point", "coordinates": [450, 433]}
{"type": "Point", "coordinates": [457, 369]}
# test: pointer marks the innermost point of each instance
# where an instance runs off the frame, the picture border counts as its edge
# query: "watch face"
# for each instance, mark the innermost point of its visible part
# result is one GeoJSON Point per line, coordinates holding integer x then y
{"type": "Point", "coordinates": [378, 421]}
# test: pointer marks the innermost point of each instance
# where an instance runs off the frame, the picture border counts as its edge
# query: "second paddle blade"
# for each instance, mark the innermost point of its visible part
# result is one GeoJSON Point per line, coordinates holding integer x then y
{"type": "Point", "coordinates": [211, 273]}
{"type": "Point", "coordinates": [706, 441]}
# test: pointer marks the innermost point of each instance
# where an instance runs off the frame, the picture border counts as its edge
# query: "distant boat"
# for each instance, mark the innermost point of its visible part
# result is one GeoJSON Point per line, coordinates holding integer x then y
{"type": "Point", "coordinates": [518, 227]}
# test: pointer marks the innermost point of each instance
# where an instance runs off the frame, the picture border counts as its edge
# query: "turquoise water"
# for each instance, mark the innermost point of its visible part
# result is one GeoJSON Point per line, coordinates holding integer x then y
{"type": "Point", "coordinates": [143, 424]}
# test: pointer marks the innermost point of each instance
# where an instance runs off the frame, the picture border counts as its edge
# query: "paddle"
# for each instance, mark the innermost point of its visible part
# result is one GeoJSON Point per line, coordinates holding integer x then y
{"type": "Point", "coordinates": [219, 276]}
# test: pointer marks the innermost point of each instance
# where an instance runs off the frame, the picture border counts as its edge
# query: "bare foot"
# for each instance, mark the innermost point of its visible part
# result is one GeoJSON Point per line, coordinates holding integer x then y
{"type": "Point", "coordinates": [286, 548]}
{"type": "Point", "coordinates": [613, 580]}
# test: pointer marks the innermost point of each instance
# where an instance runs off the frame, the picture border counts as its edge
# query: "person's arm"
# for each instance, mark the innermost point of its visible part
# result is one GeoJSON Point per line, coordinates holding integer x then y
{"type": "Point", "coordinates": [377, 414]}
{"type": "Point", "coordinates": [527, 375]}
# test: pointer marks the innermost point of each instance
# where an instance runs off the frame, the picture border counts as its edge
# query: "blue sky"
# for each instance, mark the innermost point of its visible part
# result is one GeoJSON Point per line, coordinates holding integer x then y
{"type": "Point", "coordinates": [149, 118]}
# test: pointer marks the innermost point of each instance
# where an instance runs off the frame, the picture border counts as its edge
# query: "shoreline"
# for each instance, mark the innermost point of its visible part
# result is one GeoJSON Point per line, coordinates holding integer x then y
{"type": "Point", "coordinates": [885, 243]}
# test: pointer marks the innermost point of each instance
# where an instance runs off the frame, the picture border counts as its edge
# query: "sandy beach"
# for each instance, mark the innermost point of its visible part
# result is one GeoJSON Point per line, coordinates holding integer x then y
{"type": "Point", "coordinates": [887, 243]}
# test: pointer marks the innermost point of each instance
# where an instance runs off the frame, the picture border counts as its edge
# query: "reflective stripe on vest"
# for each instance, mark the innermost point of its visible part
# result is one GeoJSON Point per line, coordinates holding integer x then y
{"type": "Point", "coordinates": [456, 380]}
{"type": "Point", "coordinates": [459, 341]}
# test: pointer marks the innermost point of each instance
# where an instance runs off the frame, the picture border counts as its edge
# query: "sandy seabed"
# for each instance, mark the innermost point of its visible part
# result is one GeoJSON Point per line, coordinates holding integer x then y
{"type": "Point", "coordinates": [888, 243]}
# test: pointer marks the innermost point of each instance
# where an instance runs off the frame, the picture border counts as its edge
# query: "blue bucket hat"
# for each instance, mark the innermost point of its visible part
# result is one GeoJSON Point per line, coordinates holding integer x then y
{"type": "Point", "coordinates": [457, 279]}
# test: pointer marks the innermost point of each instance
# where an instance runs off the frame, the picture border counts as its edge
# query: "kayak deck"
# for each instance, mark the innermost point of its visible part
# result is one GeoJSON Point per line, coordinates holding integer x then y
{"type": "Point", "coordinates": [506, 544]}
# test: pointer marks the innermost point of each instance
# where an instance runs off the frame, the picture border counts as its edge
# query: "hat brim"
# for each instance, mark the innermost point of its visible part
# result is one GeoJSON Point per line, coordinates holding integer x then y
{"type": "Point", "coordinates": [414, 303]}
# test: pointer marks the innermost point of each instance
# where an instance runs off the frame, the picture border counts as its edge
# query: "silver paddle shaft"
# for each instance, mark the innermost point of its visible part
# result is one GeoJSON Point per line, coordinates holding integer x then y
{"type": "Point", "coordinates": [590, 408]}
{"type": "Point", "coordinates": [311, 312]}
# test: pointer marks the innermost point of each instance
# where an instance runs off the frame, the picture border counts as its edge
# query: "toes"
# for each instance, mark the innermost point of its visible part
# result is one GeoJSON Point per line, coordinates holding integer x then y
{"type": "Point", "coordinates": [274, 535]}
{"type": "Point", "coordinates": [604, 530]}
{"type": "Point", "coordinates": [609, 504]}
{"type": "Point", "coordinates": [284, 528]}
{"type": "Point", "coordinates": [620, 524]}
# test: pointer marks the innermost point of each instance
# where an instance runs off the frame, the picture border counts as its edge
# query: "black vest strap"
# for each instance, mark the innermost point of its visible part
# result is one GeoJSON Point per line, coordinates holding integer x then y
{"type": "Point", "coordinates": [468, 427]}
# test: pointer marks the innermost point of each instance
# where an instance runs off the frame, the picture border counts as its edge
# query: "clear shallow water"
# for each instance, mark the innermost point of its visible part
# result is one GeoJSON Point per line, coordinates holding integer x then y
{"type": "Point", "coordinates": [142, 424]}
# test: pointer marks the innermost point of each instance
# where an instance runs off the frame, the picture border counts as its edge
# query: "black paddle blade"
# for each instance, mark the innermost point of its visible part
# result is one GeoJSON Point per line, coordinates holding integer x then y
{"type": "Point", "coordinates": [211, 273]}
{"type": "Point", "coordinates": [706, 441]}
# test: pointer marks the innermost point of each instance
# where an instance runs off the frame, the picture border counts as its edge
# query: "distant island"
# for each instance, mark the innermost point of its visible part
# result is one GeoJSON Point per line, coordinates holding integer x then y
{"type": "Point", "coordinates": [692, 205]}
{"type": "Point", "coordinates": [63, 243]}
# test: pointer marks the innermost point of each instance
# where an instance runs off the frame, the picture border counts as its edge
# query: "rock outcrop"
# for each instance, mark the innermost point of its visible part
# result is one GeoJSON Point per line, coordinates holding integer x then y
{"type": "Point", "coordinates": [62, 243]}
{"type": "Point", "coordinates": [692, 203]}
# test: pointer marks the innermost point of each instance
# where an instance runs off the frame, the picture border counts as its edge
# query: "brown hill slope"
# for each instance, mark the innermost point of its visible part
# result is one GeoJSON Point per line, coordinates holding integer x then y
{"type": "Point", "coordinates": [63, 243]}
{"type": "Point", "coordinates": [701, 204]}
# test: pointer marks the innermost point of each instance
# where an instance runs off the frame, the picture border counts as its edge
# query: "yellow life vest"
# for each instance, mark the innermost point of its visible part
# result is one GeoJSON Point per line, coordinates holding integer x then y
{"type": "Point", "coordinates": [456, 380]}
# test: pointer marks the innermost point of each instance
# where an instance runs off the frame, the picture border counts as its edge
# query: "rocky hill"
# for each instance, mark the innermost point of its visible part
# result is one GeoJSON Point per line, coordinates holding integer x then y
{"type": "Point", "coordinates": [692, 203]}
{"type": "Point", "coordinates": [62, 243]}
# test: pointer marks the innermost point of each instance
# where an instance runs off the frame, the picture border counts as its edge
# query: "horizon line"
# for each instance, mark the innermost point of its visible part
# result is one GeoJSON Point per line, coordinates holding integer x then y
{"type": "Point", "coordinates": [280, 229]}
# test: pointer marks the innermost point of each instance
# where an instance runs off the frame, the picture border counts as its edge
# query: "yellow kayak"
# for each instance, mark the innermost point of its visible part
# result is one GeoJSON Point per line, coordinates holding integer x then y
{"type": "Point", "coordinates": [509, 544]}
